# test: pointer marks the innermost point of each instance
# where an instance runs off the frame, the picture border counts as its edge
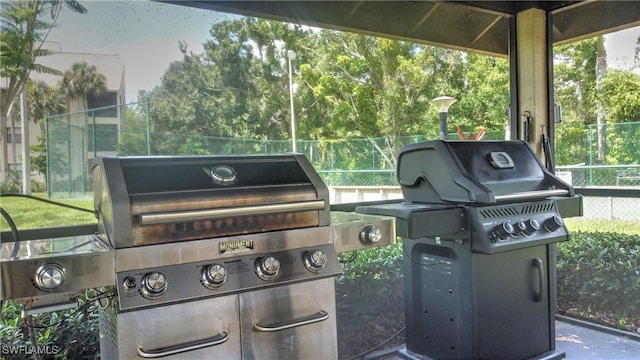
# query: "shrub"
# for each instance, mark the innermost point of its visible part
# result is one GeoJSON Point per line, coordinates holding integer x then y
{"type": "Point", "coordinates": [38, 186]}
{"type": "Point", "coordinates": [69, 334]}
{"type": "Point", "coordinates": [601, 272]}
{"type": "Point", "coordinates": [383, 263]}
{"type": "Point", "coordinates": [13, 184]}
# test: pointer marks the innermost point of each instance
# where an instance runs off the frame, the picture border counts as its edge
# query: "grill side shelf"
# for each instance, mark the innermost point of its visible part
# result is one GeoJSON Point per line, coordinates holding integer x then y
{"type": "Point", "coordinates": [414, 221]}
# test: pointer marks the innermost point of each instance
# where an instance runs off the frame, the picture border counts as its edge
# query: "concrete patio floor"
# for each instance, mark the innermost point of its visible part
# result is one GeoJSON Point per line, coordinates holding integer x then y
{"type": "Point", "coordinates": [578, 340]}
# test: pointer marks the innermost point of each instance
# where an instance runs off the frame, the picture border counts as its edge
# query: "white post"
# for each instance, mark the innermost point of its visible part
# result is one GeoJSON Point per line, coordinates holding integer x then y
{"type": "Point", "coordinates": [292, 55]}
{"type": "Point", "coordinates": [26, 159]}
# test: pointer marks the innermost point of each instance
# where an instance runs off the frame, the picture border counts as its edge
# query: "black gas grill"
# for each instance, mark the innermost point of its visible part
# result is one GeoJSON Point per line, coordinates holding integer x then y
{"type": "Point", "coordinates": [479, 222]}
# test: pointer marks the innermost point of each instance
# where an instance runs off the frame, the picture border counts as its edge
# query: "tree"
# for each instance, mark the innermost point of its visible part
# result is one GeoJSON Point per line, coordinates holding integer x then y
{"type": "Point", "coordinates": [575, 80]}
{"type": "Point", "coordinates": [348, 86]}
{"type": "Point", "coordinates": [82, 80]}
{"type": "Point", "coordinates": [22, 34]}
{"type": "Point", "coordinates": [43, 100]}
{"type": "Point", "coordinates": [574, 86]}
{"type": "Point", "coordinates": [620, 95]}
{"type": "Point", "coordinates": [592, 95]}
{"type": "Point", "coordinates": [601, 73]}
{"type": "Point", "coordinates": [77, 83]}
{"type": "Point", "coordinates": [236, 89]}
{"type": "Point", "coordinates": [363, 86]}
{"type": "Point", "coordinates": [133, 140]}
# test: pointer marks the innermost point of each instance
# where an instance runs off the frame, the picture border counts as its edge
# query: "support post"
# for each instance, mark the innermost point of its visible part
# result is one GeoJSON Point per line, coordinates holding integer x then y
{"type": "Point", "coordinates": [532, 48]}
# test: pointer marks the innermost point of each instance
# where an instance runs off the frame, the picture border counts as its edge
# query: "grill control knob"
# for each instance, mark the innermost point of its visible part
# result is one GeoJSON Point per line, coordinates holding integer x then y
{"type": "Point", "coordinates": [370, 235]}
{"type": "Point", "coordinates": [315, 260]}
{"type": "Point", "coordinates": [531, 226]}
{"type": "Point", "coordinates": [49, 276]}
{"type": "Point", "coordinates": [526, 227]}
{"type": "Point", "coordinates": [520, 228]}
{"type": "Point", "coordinates": [213, 276]}
{"type": "Point", "coordinates": [154, 284]}
{"type": "Point", "coordinates": [503, 230]}
{"type": "Point", "coordinates": [267, 268]}
{"type": "Point", "coordinates": [553, 223]}
{"type": "Point", "coordinates": [129, 283]}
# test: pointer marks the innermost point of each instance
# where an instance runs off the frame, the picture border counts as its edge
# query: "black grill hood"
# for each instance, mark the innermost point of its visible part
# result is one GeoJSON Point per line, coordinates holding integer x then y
{"type": "Point", "coordinates": [483, 172]}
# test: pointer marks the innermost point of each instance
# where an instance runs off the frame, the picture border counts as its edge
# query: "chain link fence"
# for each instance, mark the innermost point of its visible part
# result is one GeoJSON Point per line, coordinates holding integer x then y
{"type": "Point", "coordinates": [365, 167]}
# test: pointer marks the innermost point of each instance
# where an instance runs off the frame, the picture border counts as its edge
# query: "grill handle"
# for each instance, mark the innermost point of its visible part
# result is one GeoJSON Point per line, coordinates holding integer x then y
{"type": "Point", "coordinates": [317, 317]}
{"type": "Point", "coordinates": [528, 195]}
{"type": "Point", "coordinates": [180, 348]}
{"type": "Point", "coordinates": [539, 266]}
{"type": "Point", "coordinates": [213, 214]}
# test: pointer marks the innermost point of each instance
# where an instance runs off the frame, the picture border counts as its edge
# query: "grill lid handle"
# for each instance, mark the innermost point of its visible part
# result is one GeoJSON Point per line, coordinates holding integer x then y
{"type": "Point", "coordinates": [221, 213]}
{"type": "Point", "coordinates": [532, 195]}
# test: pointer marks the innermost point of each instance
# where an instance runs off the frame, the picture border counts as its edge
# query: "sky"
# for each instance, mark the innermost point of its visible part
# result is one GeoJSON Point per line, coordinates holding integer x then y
{"type": "Point", "coordinates": [145, 35]}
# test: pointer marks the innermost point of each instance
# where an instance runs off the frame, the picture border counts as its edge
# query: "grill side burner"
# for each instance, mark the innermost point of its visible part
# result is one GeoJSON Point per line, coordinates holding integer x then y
{"type": "Point", "coordinates": [479, 224]}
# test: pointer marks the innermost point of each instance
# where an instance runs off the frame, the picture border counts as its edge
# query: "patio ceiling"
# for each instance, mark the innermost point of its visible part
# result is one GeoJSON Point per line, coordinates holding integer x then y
{"type": "Point", "coordinates": [477, 26]}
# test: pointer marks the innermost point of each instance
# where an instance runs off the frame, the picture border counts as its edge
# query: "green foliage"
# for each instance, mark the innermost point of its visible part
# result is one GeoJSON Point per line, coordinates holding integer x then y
{"type": "Point", "coordinates": [600, 271]}
{"type": "Point", "coordinates": [25, 26]}
{"type": "Point", "coordinates": [621, 149]}
{"type": "Point", "coordinates": [346, 86]}
{"type": "Point", "coordinates": [13, 184]}
{"type": "Point", "coordinates": [572, 143]}
{"type": "Point", "coordinates": [133, 139]}
{"type": "Point", "coordinates": [620, 94]}
{"type": "Point", "coordinates": [70, 334]}
{"type": "Point", "coordinates": [82, 80]}
{"type": "Point", "coordinates": [237, 88]}
{"type": "Point", "coordinates": [382, 264]}
{"type": "Point", "coordinates": [574, 75]}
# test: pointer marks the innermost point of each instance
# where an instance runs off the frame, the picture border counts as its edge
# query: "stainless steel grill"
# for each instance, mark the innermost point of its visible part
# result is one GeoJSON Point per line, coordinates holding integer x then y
{"type": "Point", "coordinates": [479, 222]}
{"type": "Point", "coordinates": [210, 257]}
{"type": "Point", "coordinates": [223, 257]}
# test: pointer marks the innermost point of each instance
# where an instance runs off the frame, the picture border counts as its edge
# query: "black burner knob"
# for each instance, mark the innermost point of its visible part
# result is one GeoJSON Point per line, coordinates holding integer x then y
{"type": "Point", "coordinates": [503, 230]}
{"type": "Point", "coordinates": [520, 228]}
{"type": "Point", "coordinates": [527, 227]}
{"type": "Point", "coordinates": [553, 223]}
{"type": "Point", "coordinates": [532, 226]}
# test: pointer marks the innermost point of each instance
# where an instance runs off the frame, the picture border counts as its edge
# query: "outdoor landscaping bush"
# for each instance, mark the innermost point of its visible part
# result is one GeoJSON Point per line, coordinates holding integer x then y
{"type": "Point", "coordinates": [69, 334]}
{"type": "Point", "coordinates": [13, 184]}
{"type": "Point", "coordinates": [370, 301]}
{"type": "Point", "coordinates": [599, 278]}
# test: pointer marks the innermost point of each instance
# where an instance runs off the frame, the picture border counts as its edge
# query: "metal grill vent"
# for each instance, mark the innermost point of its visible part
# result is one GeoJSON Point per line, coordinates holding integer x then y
{"type": "Point", "coordinates": [499, 212]}
{"type": "Point", "coordinates": [507, 211]}
{"type": "Point", "coordinates": [538, 208]}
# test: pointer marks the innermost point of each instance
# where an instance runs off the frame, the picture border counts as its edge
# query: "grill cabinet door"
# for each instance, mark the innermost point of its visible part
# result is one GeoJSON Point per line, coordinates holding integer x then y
{"type": "Point", "coordinates": [267, 316]}
{"type": "Point", "coordinates": [202, 329]}
{"type": "Point", "coordinates": [512, 299]}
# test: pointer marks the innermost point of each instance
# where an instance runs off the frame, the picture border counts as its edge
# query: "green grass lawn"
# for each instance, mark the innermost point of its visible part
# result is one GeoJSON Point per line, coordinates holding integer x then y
{"type": "Point", "coordinates": [30, 213]}
{"type": "Point", "coordinates": [629, 227]}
